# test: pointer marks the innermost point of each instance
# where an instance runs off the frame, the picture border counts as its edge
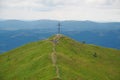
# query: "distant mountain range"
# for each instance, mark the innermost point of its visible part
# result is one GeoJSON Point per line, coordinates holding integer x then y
{"type": "Point", "coordinates": [14, 33]}
{"type": "Point", "coordinates": [52, 24]}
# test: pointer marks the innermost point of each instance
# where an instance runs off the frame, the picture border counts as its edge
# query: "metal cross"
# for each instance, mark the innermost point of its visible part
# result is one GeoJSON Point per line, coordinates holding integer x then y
{"type": "Point", "coordinates": [59, 27]}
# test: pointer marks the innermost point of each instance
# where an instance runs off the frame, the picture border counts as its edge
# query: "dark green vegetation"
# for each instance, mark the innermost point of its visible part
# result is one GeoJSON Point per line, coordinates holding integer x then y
{"type": "Point", "coordinates": [76, 61]}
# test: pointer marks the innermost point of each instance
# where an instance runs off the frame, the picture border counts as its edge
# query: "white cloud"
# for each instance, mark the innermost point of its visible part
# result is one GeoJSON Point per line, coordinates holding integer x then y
{"type": "Point", "coordinates": [97, 2]}
{"type": "Point", "coordinates": [98, 10]}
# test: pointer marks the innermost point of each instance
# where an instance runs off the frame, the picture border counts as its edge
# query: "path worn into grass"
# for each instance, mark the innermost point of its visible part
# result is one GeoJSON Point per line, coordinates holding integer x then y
{"type": "Point", "coordinates": [54, 56]}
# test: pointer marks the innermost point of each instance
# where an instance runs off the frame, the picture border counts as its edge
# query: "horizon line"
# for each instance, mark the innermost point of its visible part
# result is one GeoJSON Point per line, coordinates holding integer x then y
{"type": "Point", "coordinates": [57, 20]}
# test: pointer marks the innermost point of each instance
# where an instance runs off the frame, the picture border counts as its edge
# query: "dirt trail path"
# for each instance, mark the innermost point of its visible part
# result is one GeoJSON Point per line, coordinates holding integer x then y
{"type": "Point", "coordinates": [54, 56]}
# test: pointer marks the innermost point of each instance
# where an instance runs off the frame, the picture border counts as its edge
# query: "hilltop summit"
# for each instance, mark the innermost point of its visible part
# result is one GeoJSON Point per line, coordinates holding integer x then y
{"type": "Point", "coordinates": [60, 58]}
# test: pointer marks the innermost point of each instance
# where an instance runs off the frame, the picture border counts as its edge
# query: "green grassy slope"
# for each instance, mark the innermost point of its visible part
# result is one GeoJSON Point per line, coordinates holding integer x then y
{"type": "Point", "coordinates": [75, 61]}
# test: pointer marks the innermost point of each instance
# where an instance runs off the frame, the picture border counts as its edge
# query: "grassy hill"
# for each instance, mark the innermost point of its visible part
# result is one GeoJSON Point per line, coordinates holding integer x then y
{"type": "Point", "coordinates": [60, 58]}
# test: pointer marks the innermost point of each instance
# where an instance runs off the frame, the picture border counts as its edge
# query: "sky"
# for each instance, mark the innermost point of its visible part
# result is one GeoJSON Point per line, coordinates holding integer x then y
{"type": "Point", "coordinates": [94, 10]}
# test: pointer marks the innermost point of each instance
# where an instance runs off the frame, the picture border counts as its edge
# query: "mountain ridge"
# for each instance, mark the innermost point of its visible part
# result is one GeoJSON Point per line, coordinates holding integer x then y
{"type": "Point", "coordinates": [74, 60]}
{"type": "Point", "coordinates": [40, 24]}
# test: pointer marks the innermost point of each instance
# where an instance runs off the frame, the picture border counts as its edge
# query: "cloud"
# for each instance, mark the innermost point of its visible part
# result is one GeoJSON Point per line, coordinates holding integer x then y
{"type": "Point", "coordinates": [97, 2]}
{"type": "Point", "coordinates": [107, 10]}
{"type": "Point", "coordinates": [53, 4]}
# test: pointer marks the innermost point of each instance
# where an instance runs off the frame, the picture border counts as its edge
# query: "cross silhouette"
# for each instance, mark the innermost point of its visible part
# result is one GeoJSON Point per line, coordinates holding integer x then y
{"type": "Point", "coordinates": [59, 25]}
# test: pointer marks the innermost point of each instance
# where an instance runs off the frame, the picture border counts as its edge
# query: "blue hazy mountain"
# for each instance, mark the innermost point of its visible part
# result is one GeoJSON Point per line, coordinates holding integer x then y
{"type": "Point", "coordinates": [20, 25]}
{"type": "Point", "coordinates": [14, 33]}
{"type": "Point", "coordinates": [52, 24]}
